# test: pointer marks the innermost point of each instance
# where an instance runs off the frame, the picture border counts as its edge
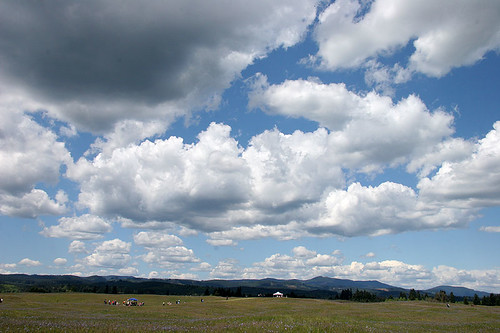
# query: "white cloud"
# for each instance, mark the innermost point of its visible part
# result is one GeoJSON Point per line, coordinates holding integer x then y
{"type": "Point", "coordinates": [184, 276]}
{"type": "Point", "coordinates": [226, 269]}
{"type": "Point", "coordinates": [303, 264]}
{"type": "Point", "coordinates": [131, 271]}
{"type": "Point", "coordinates": [60, 261]}
{"type": "Point", "coordinates": [79, 227]}
{"type": "Point", "coordinates": [221, 242]}
{"type": "Point", "coordinates": [167, 180]}
{"type": "Point", "coordinates": [484, 280]}
{"type": "Point", "coordinates": [323, 260]}
{"type": "Point", "coordinates": [383, 77]}
{"type": "Point", "coordinates": [306, 264]}
{"type": "Point", "coordinates": [290, 185]}
{"type": "Point", "coordinates": [30, 205]}
{"type": "Point", "coordinates": [368, 131]}
{"type": "Point", "coordinates": [29, 262]}
{"type": "Point", "coordinates": [229, 237]}
{"type": "Point", "coordinates": [490, 229]}
{"type": "Point", "coordinates": [473, 182]}
{"type": "Point", "coordinates": [289, 170]}
{"type": "Point", "coordinates": [445, 34]}
{"type": "Point", "coordinates": [303, 252]}
{"type": "Point", "coordinates": [451, 150]}
{"type": "Point", "coordinates": [77, 246]}
{"type": "Point", "coordinates": [152, 239]}
{"type": "Point", "coordinates": [109, 254]}
{"type": "Point", "coordinates": [387, 208]}
{"type": "Point", "coordinates": [8, 268]}
{"type": "Point", "coordinates": [29, 154]}
{"type": "Point", "coordinates": [202, 267]}
{"type": "Point", "coordinates": [170, 255]}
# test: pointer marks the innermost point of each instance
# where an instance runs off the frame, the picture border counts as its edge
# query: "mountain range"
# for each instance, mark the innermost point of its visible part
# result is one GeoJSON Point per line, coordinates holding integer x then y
{"type": "Point", "coordinates": [318, 287]}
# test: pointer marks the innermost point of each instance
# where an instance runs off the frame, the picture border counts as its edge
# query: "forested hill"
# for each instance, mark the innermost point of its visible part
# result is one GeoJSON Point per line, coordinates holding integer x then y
{"type": "Point", "coordinates": [319, 287]}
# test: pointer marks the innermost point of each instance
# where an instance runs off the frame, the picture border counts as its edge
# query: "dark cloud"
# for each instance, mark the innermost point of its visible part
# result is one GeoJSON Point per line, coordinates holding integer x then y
{"type": "Point", "coordinates": [132, 54]}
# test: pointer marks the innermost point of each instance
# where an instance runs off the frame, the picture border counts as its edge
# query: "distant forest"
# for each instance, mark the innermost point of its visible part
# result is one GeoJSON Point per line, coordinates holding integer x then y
{"type": "Point", "coordinates": [129, 285]}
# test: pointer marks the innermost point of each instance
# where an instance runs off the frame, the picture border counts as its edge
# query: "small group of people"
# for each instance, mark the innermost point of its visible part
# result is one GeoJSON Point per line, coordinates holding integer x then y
{"type": "Point", "coordinates": [129, 302]}
{"type": "Point", "coordinates": [178, 302]}
{"type": "Point", "coordinates": [110, 302]}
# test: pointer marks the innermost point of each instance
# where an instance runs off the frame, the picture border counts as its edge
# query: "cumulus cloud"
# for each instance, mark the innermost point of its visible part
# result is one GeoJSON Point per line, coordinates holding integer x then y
{"type": "Point", "coordinates": [306, 264]}
{"type": "Point", "coordinates": [368, 131]}
{"type": "Point", "coordinates": [474, 279]}
{"type": "Point", "coordinates": [450, 150]}
{"type": "Point", "coordinates": [473, 182]}
{"type": "Point", "coordinates": [303, 264]}
{"type": "Point", "coordinates": [29, 154]}
{"type": "Point", "coordinates": [168, 256]}
{"type": "Point", "coordinates": [60, 261]}
{"type": "Point", "coordinates": [7, 268]}
{"type": "Point", "coordinates": [289, 185]}
{"type": "Point", "coordinates": [164, 250]}
{"type": "Point", "coordinates": [139, 61]}
{"type": "Point", "coordinates": [29, 262]}
{"type": "Point", "coordinates": [226, 269]}
{"type": "Point", "coordinates": [77, 246]}
{"type": "Point", "coordinates": [387, 208]}
{"type": "Point", "coordinates": [445, 34]}
{"type": "Point", "coordinates": [79, 227]}
{"type": "Point", "coordinates": [30, 205]}
{"type": "Point", "coordinates": [131, 271]}
{"type": "Point", "coordinates": [109, 254]}
{"type": "Point", "coordinates": [167, 180]}
{"type": "Point", "coordinates": [303, 252]}
{"type": "Point", "coordinates": [292, 230]}
{"type": "Point", "coordinates": [152, 239]}
{"type": "Point", "coordinates": [288, 170]}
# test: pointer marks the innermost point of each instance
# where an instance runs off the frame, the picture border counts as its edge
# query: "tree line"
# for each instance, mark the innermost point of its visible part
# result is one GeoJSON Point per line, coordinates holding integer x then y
{"type": "Point", "coordinates": [58, 284]}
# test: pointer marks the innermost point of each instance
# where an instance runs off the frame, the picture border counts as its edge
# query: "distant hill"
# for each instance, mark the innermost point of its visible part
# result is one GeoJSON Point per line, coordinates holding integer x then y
{"type": "Point", "coordinates": [457, 291]}
{"type": "Point", "coordinates": [318, 287]}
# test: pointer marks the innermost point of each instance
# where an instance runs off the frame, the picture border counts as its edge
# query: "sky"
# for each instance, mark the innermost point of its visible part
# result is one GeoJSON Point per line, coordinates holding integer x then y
{"type": "Point", "coordinates": [196, 139]}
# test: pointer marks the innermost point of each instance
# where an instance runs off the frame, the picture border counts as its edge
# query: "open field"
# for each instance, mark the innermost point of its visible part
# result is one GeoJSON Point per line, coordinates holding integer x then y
{"type": "Point", "coordinates": [87, 313]}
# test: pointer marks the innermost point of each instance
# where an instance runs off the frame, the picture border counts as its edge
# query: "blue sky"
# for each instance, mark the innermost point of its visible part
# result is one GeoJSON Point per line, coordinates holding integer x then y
{"type": "Point", "coordinates": [228, 139]}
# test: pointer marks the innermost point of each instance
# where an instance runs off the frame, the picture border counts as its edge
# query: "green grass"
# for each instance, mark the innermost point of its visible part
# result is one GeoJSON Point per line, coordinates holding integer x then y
{"type": "Point", "coordinates": [87, 313]}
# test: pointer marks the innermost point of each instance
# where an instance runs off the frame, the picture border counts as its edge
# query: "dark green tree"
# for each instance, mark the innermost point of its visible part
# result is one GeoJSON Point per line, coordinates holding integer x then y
{"type": "Point", "coordinates": [441, 296]}
{"type": "Point", "coordinates": [466, 301]}
{"type": "Point", "coordinates": [413, 295]}
{"type": "Point", "coordinates": [346, 294]}
{"type": "Point", "coordinates": [452, 297]}
{"type": "Point", "coordinates": [476, 300]}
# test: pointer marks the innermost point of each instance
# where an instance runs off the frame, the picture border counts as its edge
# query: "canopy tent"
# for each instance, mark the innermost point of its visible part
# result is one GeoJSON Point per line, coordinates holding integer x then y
{"type": "Point", "coordinates": [132, 301]}
{"type": "Point", "coordinates": [278, 294]}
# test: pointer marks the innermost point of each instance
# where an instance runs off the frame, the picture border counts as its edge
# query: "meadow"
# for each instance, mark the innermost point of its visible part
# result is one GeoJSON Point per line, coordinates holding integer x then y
{"type": "Point", "coordinates": [65, 312]}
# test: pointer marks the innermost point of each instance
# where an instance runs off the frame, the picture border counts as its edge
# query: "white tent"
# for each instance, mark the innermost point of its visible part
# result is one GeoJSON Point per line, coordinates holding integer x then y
{"type": "Point", "coordinates": [278, 294]}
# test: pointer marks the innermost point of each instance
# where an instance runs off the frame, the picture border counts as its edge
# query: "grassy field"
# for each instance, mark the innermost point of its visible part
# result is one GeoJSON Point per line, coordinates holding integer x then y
{"type": "Point", "coordinates": [88, 313]}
